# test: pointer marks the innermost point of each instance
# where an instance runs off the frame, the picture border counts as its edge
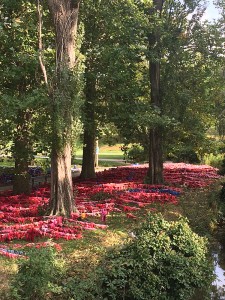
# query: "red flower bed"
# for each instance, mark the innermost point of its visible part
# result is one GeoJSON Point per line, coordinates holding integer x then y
{"type": "Point", "coordinates": [119, 189]}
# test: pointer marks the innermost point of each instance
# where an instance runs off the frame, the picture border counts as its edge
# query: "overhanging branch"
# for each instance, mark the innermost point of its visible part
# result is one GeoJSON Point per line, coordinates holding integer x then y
{"type": "Point", "coordinates": [40, 44]}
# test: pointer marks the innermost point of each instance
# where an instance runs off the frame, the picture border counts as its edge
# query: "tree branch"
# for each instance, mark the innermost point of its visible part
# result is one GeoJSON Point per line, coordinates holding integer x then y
{"type": "Point", "coordinates": [40, 44]}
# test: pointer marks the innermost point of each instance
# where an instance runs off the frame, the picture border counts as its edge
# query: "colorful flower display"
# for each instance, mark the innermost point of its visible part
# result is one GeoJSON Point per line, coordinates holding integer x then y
{"type": "Point", "coordinates": [118, 190]}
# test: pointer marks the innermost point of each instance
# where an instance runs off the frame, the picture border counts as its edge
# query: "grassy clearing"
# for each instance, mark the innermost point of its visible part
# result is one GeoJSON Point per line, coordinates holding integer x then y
{"type": "Point", "coordinates": [7, 269]}
{"type": "Point", "coordinates": [106, 156]}
{"type": "Point", "coordinates": [110, 164]}
{"type": "Point", "coordinates": [102, 164]}
{"type": "Point", "coordinates": [106, 152]}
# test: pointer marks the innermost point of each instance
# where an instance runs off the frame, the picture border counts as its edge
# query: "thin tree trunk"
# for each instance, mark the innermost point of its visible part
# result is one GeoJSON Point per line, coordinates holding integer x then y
{"type": "Point", "coordinates": [21, 182]}
{"type": "Point", "coordinates": [91, 39]}
{"type": "Point", "coordinates": [65, 15]}
{"type": "Point", "coordinates": [155, 172]}
{"type": "Point", "coordinates": [89, 142]}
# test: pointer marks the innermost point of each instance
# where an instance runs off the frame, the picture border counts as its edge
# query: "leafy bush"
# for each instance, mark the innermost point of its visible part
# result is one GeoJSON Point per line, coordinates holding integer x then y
{"type": "Point", "coordinates": [37, 275]}
{"type": "Point", "coordinates": [136, 153]}
{"type": "Point", "coordinates": [214, 160]}
{"type": "Point", "coordinates": [44, 163]}
{"type": "Point", "coordinates": [222, 167]}
{"type": "Point", "coordinates": [166, 260]}
{"type": "Point", "coordinates": [222, 193]}
{"type": "Point", "coordinates": [83, 288]}
{"type": "Point", "coordinates": [184, 155]}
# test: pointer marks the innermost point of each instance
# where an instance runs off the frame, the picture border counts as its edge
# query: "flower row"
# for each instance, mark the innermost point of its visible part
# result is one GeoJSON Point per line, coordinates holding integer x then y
{"type": "Point", "coordinates": [116, 190]}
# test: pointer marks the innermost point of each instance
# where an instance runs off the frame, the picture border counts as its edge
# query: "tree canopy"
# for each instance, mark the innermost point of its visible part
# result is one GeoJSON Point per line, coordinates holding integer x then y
{"type": "Point", "coordinates": [152, 70]}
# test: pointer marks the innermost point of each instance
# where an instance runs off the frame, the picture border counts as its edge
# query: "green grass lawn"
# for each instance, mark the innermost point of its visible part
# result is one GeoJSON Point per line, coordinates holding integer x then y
{"type": "Point", "coordinates": [105, 152]}
{"type": "Point", "coordinates": [104, 155]}
{"type": "Point", "coordinates": [102, 163]}
{"type": "Point", "coordinates": [108, 152]}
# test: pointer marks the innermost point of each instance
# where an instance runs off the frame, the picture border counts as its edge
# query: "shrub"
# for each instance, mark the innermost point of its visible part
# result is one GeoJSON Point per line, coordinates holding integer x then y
{"type": "Point", "coordinates": [222, 166]}
{"type": "Point", "coordinates": [37, 275]}
{"type": "Point", "coordinates": [82, 288]}
{"type": "Point", "coordinates": [214, 160]}
{"type": "Point", "coordinates": [185, 155]}
{"type": "Point", "coordinates": [166, 260]}
{"type": "Point", "coordinates": [136, 153]}
{"type": "Point", "coordinates": [222, 193]}
{"type": "Point", "coordinates": [43, 163]}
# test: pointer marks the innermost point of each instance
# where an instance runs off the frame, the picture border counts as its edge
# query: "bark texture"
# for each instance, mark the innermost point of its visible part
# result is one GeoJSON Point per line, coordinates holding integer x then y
{"type": "Point", "coordinates": [62, 202]}
{"type": "Point", "coordinates": [91, 39]}
{"type": "Point", "coordinates": [89, 142]}
{"type": "Point", "coordinates": [155, 172]}
{"type": "Point", "coordinates": [65, 16]}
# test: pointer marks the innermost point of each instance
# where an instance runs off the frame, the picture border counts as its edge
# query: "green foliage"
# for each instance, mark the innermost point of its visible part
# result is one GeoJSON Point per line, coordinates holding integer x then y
{"type": "Point", "coordinates": [83, 288]}
{"type": "Point", "coordinates": [38, 275]}
{"type": "Point", "coordinates": [65, 107]}
{"type": "Point", "coordinates": [107, 164]}
{"type": "Point", "coordinates": [222, 165]}
{"type": "Point", "coordinates": [195, 149]}
{"type": "Point", "coordinates": [109, 135]}
{"type": "Point", "coordinates": [214, 160]}
{"type": "Point", "coordinates": [166, 260]}
{"type": "Point", "coordinates": [44, 163]}
{"type": "Point", "coordinates": [23, 95]}
{"type": "Point", "coordinates": [184, 155]}
{"type": "Point", "coordinates": [136, 153]}
{"type": "Point", "coordinates": [222, 193]}
{"type": "Point", "coordinates": [6, 170]}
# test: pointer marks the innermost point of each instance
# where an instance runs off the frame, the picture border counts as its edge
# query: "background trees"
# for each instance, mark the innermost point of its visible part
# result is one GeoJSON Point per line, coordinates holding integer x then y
{"type": "Point", "coordinates": [20, 85]}
{"type": "Point", "coordinates": [122, 53]}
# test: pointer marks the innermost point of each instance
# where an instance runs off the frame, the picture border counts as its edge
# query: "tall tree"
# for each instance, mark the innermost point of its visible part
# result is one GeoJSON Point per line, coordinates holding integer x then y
{"type": "Point", "coordinates": [177, 41]}
{"type": "Point", "coordinates": [19, 83]}
{"type": "Point", "coordinates": [108, 59]}
{"type": "Point", "coordinates": [90, 14]}
{"type": "Point", "coordinates": [64, 15]}
{"type": "Point", "coordinates": [90, 124]}
{"type": "Point", "coordinates": [189, 79]}
{"type": "Point", "coordinates": [155, 172]}
{"type": "Point", "coordinates": [219, 92]}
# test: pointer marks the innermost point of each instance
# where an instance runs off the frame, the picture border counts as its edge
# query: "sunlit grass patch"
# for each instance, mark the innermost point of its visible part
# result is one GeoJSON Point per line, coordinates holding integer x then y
{"type": "Point", "coordinates": [7, 269]}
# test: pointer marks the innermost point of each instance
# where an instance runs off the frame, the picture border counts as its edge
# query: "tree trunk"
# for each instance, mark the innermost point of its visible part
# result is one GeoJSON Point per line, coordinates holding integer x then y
{"type": "Point", "coordinates": [89, 143]}
{"type": "Point", "coordinates": [91, 39]}
{"type": "Point", "coordinates": [65, 15]}
{"type": "Point", "coordinates": [62, 202]}
{"type": "Point", "coordinates": [155, 172]}
{"type": "Point", "coordinates": [89, 149]}
{"type": "Point", "coordinates": [21, 182]}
